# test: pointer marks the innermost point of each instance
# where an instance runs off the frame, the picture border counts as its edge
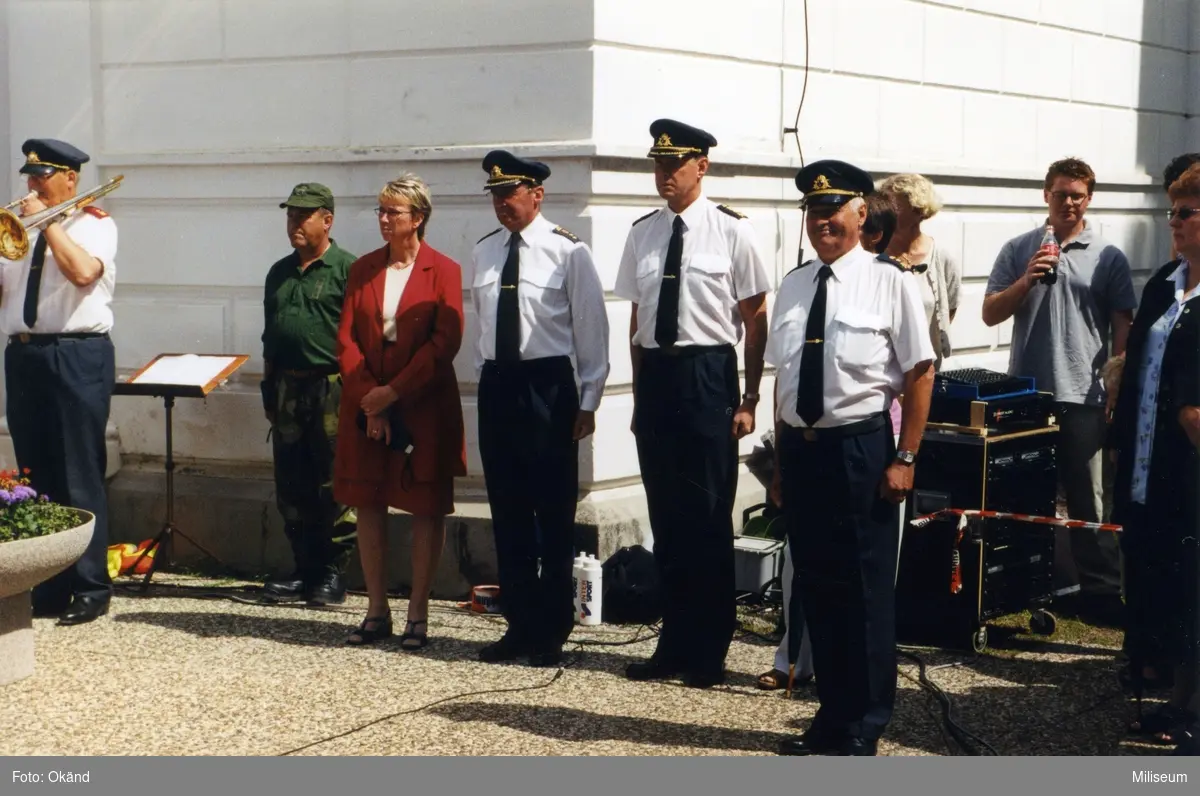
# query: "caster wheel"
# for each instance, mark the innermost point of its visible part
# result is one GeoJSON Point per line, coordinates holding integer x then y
{"type": "Point", "coordinates": [979, 639]}
{"type": "Point", "coordinates": [1043, 623]}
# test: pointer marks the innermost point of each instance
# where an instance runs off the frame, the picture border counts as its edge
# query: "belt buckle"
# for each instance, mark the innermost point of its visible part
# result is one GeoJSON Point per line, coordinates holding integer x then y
{"type": "Point", "coordinates": [23, 337]}
{"type": "Point", "coordinates": [810, 435]}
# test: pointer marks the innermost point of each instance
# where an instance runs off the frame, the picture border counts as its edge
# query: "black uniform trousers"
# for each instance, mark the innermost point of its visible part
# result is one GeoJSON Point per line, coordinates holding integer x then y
{"type": "Point", "coordinates": [844, 545]}
{"type": "Point", "coordinates": [59, 390]}
{"type": "Point", "coordinates": [527, 414]}
{"type": "Point", "coordinates": [683, 422]}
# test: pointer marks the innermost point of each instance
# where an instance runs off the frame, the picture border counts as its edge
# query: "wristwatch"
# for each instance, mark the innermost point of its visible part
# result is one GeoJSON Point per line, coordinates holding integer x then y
{"type": "Point", "coordinates": [749, 396]}
{"type": "Point", "coordinates": [906, 457]}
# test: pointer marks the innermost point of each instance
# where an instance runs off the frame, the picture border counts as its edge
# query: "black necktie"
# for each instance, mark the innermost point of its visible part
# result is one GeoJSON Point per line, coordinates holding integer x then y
{"type": "Point", "coordinates": [666, 323]}
{"type": "Point", "coordinates": [508, 314]}
{"type": "Point", "coordinates": [810, 400]}
{"type": "Point", "coordinates": [34, 284]}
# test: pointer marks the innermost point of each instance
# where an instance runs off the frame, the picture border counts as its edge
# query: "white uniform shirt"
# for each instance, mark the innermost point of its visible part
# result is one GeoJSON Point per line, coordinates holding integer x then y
{"type": "Point", "coordinates": [721, 266]}
{"type": "Point", "coordinates": [560, 299]}
{"type": "Point", "coordinates": [875, 332]}
{"type": "Point", "coordinates": [62, 307]}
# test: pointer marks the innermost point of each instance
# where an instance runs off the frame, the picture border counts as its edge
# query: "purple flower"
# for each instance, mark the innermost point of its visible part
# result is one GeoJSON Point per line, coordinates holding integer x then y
{"type": "Point", "coordinates": [21, 492]}
{"type": "Point", "coordinates": [6, 497]}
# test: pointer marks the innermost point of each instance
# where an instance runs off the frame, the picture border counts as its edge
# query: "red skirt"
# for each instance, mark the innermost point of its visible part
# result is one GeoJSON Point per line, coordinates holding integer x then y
{"type": "Point", "coordinates": [421, 498]}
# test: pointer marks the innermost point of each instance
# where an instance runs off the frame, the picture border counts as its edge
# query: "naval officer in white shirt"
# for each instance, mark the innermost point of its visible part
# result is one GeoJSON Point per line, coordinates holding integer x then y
{"type": "Point", "coordinates": [848, 334]}
{"type": "Point", "coordinates": [539, 301]}
{"type": "Point", "coordinates": [56, 308]}
{"type": "Point", "coordinates": [696, 279]}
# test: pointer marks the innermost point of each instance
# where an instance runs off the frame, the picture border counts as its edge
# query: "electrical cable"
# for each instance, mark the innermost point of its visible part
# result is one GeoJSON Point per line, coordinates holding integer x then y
{"type": "Point", "coordinates": [971, 743]}
{"type": "Point", "coordinates": [794, 130]}
{"type": "Point", "coordinates": [579, 645]}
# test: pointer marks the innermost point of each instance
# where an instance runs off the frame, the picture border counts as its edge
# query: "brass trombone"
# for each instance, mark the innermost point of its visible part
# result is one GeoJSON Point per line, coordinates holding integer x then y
{"type": "Point", "coordinates": [14, 229]}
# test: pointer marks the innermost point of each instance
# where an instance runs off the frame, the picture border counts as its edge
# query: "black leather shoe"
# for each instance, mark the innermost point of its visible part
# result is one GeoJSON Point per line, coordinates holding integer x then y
{"type": "Point", "coordinates": [43, 609]}
{"type": "Point", "coordinates": [703, 679]}
{"type": "Point", "coordinates": [810, 743]}
{"type": "Point", "coordinates": [857, 747]}
{"type": "Point", "coordinates": [330, 591]}
{"type": "Point", "coordinates": [1189, 743]}
{"type": "Point", "coordinates": [508, 648]}
{"type": "Point", "coordinates": [84, 609]}
{"type": "Point", "coordinates": [652, 669]}
{"type": "Point", "coordinates": [546, 657]}
{"type": "Point", "coordinates": [284, 590]}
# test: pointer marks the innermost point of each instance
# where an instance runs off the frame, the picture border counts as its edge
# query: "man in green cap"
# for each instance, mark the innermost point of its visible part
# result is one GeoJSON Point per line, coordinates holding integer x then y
{"type": "Point", "coordinates": [301, 392]}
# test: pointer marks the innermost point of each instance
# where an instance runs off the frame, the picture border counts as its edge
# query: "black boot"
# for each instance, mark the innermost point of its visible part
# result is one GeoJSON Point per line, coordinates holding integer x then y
{"type": "Point", "coordinates": [288, 589]}
{"type": "Point", "coordinates": [330, 590]}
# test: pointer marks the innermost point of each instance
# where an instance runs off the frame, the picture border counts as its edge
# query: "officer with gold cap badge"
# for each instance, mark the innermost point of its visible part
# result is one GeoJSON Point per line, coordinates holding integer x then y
{"type": "Point", "coordinates": [56, 309]}
{"type": "Point", "coordinates": [848, 333]}
{"type": "Point", "coordinates": [539, 301]}
{"type": "Point", "coordinates": [696, 278]}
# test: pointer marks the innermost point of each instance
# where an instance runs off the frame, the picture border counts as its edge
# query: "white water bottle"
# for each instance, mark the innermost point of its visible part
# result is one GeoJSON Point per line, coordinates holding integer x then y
{"type": "Point", "coordinates": [576, 576]}
{"type": "Point", "coordinates": [588, 592]}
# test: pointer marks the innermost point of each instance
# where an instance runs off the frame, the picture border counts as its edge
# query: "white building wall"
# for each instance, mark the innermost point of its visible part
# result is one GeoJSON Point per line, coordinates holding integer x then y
{"type": "Point", "coordinates": [213, 109]}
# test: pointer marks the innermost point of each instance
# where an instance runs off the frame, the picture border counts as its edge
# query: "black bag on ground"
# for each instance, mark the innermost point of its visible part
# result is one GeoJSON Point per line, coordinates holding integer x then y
{"type": "Point", "coordinates": [632, 593]}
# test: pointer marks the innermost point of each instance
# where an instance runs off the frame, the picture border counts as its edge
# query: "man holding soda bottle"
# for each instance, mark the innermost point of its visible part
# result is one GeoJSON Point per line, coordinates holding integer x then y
{"type": "Point", "coordinates": [1067, 289]}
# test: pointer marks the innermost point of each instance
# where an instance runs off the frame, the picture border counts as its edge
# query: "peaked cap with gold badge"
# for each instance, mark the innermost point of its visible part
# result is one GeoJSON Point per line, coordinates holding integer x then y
{"type": "Point", "coordinates": [674, 139]}
{"type": "Point", "coordinates": [832, 182]}
{"type": "Point", "coordinates": [505, 169]}
{"type": "Point", "coordinates": [47, 155]}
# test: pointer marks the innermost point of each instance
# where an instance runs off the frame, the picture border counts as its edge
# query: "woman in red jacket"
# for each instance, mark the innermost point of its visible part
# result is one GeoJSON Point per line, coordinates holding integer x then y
{"type": "Point", "coordinates": [401, 327]}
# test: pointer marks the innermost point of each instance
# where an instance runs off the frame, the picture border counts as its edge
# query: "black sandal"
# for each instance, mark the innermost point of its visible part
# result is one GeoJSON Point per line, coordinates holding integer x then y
{"type": "Point", "coordinates": [381, 628]}
{"type": "Point", "coordinates": [411, 640]}
{"type": "Point", "coordinates": [1164, 725]}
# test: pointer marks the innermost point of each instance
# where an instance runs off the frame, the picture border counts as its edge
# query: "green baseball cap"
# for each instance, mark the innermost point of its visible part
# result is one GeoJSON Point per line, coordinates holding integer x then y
{"type": "Point", "coordinates": [310, 195]}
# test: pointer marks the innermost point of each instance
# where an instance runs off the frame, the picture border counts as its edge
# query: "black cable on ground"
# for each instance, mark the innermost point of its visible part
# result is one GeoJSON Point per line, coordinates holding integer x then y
{"type": "Point", "coordinates": [971, 744]}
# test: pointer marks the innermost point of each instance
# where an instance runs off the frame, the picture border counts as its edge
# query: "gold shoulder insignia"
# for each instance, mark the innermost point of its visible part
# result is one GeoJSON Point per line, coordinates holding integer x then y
{"type": "Point", "coordinates": [95, 211]}
{"type": "Point", "coordinates": [571, 236]}
{"type": "Point", "coordinates": [490, 234]}
{"type": "Point", "coordinates": [729, 211]}
{"type": "Point", "coordinates": [643, 218]}
{"type": "Point", "coordinates": [883, 258]}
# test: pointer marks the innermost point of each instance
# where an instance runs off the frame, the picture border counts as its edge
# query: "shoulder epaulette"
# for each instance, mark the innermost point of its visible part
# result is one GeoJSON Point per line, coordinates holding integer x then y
{"type": "Point", "coordinates": [92, 210]}
{"type": "Point", "coordinates": [804, 264]}
{"type": "Point", "coordinates": [729, 211]}
{"type": "Point", "coordinates": [490, 234]}
{"type": "Point", "coordinates": [571, 236]}
{"type": "Point", "coordinates": [643, 218]}
{"type": "Point", "coordinates": [883, 258]}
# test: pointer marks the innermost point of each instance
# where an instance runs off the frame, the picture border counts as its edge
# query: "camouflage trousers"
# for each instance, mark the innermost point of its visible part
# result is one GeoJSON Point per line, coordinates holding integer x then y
{"type": "Point", "coordinates": [304, 438]}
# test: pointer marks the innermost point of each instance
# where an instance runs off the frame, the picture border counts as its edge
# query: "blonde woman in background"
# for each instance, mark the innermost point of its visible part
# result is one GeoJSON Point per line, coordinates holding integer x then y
{"type": "Point", "coordinates": [938, 273]}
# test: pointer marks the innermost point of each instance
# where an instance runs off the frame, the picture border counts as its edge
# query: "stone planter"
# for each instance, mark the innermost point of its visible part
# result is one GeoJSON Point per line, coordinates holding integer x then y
{"type": "Point", "coordinates": [23, 565]}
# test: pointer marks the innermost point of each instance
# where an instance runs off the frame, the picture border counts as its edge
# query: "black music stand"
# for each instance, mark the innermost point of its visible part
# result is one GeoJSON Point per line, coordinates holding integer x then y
{"type": "Point", "coordinates": [171, 376]}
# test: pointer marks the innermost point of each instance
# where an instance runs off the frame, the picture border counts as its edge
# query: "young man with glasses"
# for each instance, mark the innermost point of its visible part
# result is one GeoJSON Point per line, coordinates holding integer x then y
{"type": "Point", "coordinates": [301, 396]}
{"type": "Point", "coordinates": [1061, 338]}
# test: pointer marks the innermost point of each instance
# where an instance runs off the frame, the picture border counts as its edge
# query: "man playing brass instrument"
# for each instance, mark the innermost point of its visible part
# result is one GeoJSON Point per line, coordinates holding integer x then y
{"type": "Point", "coordinates": [56, 308]}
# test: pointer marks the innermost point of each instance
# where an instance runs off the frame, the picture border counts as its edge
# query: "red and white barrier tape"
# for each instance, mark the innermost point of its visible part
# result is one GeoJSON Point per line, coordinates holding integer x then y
{"type": "Point", "coordinates": [964, 514]}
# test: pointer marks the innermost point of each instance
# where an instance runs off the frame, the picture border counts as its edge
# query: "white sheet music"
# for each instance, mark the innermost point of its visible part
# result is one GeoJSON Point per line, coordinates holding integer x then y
{"type": "Point", "coordinates": [186, 369]}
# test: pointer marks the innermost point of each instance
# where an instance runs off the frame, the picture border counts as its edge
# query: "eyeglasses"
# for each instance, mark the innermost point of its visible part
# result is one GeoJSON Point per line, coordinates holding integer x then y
{"type": "Point", "coordinates": [1063, 196]}
{"type": "Point", "coordinates": [388, 212]}
{"type": "Point", "coordinates": [1184, 213]}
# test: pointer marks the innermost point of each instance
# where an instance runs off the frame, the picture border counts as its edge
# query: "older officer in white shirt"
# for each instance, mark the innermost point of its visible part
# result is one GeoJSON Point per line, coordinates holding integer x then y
{"type": "Point", "coordinates": [539, 301]}
{"type": "Point", "coordinates": [56, 308]}
{"type": "Point", "coordinates": [694, 274]}
{"type": "Point", "coordinates": [848, 334]}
